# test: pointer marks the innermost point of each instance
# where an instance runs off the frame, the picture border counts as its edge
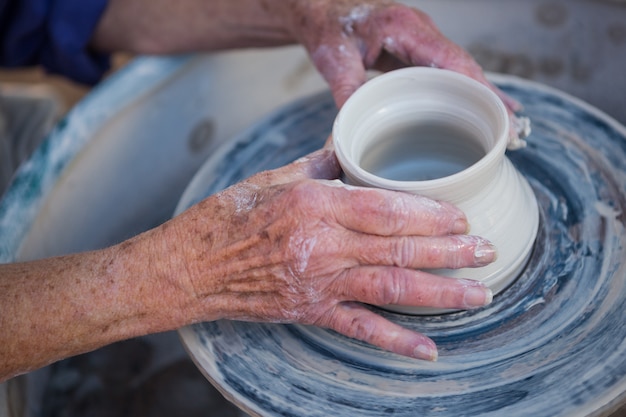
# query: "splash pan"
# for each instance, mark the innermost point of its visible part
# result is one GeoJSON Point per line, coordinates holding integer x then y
{"type": "Point", "coordinates": [551, 344]}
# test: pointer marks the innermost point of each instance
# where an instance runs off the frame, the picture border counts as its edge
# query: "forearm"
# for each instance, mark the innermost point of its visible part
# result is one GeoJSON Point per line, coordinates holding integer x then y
{"type": "Point", "coordinates": [55, 308]}
{"type": "Point", "coordinates": [170, 26]}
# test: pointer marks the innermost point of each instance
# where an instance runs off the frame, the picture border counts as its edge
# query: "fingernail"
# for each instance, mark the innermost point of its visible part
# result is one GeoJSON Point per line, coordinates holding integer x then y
{"type": "Point", "coordinates": [477, 297]}
{"type": "Point", "coordinates": [461, 226]}
{"type": "Point", "coordinates": [426, 352]}
{"type": "Point", "coordinates": [484, 254]}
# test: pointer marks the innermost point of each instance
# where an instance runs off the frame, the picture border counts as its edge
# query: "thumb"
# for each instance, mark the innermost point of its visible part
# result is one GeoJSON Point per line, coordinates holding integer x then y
{"type": "Point", "coordinates": [321, 164]}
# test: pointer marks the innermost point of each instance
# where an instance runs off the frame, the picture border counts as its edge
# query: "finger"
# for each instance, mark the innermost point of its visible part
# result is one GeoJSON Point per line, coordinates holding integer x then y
{"type": "Point", "coordinates": [401, 286]}
{"type": "Point", "coordinates": [429, 47]}
{"type": "Point", "coordinates": [321, 164]}
{"type": "Point", "coordinates": [384, 212]}
{"type": "Point", "coordinates": [454, 251]}
{"type": "Point", "coordinates": [355, 321]}
{"type": "Point", "coordinates": [342, 68]}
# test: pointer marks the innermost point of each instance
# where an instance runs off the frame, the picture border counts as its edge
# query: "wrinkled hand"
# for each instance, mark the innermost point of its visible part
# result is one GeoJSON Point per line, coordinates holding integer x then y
{"type": "Point", "coordinates": [347, 37]}
{"type": "Point", "coordinates": [294, 246]}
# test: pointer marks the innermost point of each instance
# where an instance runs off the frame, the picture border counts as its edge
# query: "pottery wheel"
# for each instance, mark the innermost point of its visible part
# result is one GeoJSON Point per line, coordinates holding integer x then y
{"type": "Point", "coordinates": [551, 344]}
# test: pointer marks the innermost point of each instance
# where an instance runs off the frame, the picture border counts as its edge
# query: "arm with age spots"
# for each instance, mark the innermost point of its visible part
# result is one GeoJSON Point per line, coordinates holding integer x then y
{"type": "Point", "coordinates": [292, 245]}
{"type": "Point", "coordinates": [343, 37]}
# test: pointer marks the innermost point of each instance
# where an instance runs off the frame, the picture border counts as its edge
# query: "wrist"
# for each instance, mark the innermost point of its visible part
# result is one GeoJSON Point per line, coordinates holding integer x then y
{"type": "Point", "coordinates": [157, 280]}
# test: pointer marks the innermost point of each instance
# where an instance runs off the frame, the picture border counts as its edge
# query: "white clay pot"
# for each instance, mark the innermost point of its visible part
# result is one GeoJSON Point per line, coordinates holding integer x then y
{"type": "Point", "coordinates": [443, 135]}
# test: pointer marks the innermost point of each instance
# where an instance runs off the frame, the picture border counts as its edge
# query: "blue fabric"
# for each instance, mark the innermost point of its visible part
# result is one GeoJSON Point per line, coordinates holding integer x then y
{"type": "Point", "coordinates": [53, 34]}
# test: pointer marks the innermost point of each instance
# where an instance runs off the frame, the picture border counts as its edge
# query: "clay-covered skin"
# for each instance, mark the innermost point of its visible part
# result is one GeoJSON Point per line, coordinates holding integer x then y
{"type": "Point", "coordinates": [292, 245]}
{"type": "Point", "coordinates": [285, 247]}
{"type": "Point", "coordinates": [344, 38]}
{"type": "Point", "coordinates": [347, 37]}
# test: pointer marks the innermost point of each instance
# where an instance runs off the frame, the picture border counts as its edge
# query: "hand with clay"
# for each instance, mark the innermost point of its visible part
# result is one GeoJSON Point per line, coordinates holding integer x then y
{"type": "Point", "coordinates": [346, 38]}
{"type": "Point", "coordinates": [293, 245]}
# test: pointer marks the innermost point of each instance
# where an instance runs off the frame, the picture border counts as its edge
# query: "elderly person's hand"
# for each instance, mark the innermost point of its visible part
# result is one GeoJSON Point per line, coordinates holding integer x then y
{"type": "Point", "coordinates": [292, 246]}
{"type": "Point", "coordinates": [347, 37]}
